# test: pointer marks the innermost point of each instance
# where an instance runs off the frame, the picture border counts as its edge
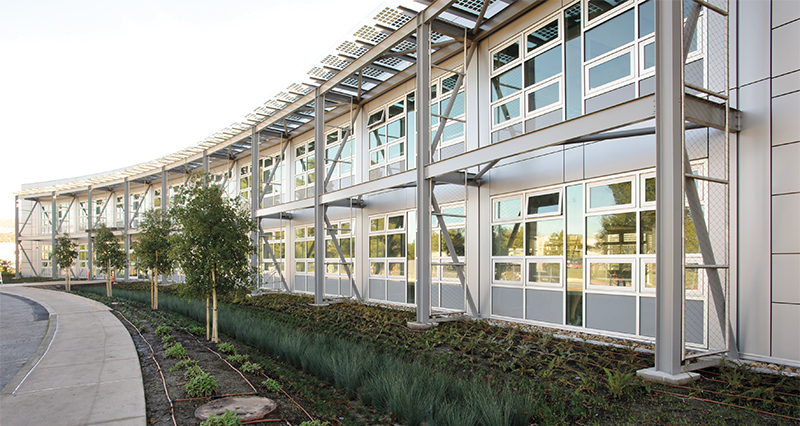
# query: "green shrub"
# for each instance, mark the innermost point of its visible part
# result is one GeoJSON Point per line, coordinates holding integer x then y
{"type": "Point", "coordinates": [272, 385]}
{"type": "Point", "coordinates": [162, 330]}
{"type": "Point", "coordinates": [201, 385]}
{"type": "Point", "coordinates": [192, 372]}
{"type": "Point", "coordinates": [251, 367]}
{"type": "Point", "coordinates": [176, 351]}
{"type": "Point", "coordinates": [168, 339]}
{"type": "Point", "coordinates": [226, 348]}
{"type": "Point", "coordinates": [228, 419]}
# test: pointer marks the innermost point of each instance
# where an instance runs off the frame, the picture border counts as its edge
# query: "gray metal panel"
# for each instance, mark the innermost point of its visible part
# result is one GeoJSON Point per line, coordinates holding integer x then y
{"type": "Point", "coordinates": [545, 305]}
{"type": "Point", "coordinates": [605, 157]}
{"type": "Point", "coordinates": [344, 286]}
{"type": "Point", "coordinates": [785, 170]}
{"type": "Point", "coordinates": [785, 335]}
{"type": "Point", "coordinates": [694, 74]}
{"type": "Point", "coordinates": [331, 285]}
{"type": "Point", "coordinates": [647, 316]}
{"type": "Point", "coordinates": [573, 164]}
{"type": "Point", "coordinates": [786, 278]}
{"type": "Point", "coordinates": [786, 83]}
{"type": "Point", "coordinates": [614, 97]}
{"type": "Point", "coordinates": [507, 302]}
{"type": "Point", "coordinates": [694, 327]}
{"type": "Point", "coordinates": [754, 219]}
{"type": "Point", "coordinates": [435, 295]}
{"type": "Point", "coordinates": [452, 296]}
{"type": "Point", "coordinates": [785, 54]}
{"type": "Point", "coordinates": [311, 283]}
{"type": "Point", "coordinates": [396, 291]}
{"type": "Point", "coordinates": [531, 173]}
{"type": "Point", "coordinates": [545, 120]}
{"type": "Point", "coordinates": [785, 225]}
{"type": "Point", "coordinates": [299, 283]}
{"type": "Point", "coordinates": [785, 123]}
{"type": "Point", "coordinates": [377, 289]}
{"type": "Point", "coordinates": [754, 34]}
{"type": "Point", "coordinates": [611, 312]}
{"type": "Point", "coordinates": [647, 86]}
{"type": "Point", "coordinates": [507, 133]}
{"type": "Point", "coordinates": [784, 11]}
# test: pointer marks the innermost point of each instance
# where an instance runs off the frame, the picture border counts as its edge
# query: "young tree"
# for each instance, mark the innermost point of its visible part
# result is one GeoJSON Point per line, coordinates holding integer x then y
{"type": "Point", "coordinates": [108, 254]}
{"type": "Point", "coordinates": [212, 243]}
{"type": "Point", "coordinates": [65, 253]}
{"type": "Point", "coordinates": [154, 248]}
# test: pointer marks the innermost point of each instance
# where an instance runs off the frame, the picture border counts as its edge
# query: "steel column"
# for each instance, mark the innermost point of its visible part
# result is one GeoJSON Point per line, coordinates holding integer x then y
{"type": "Point", "coordinates": [669, 187]}
{"type": "Point", "coordinates": [205, 161]}
{"type": "Point", "coordinates": [255, 203]}
{"type": "Point", "coordinates": [17, 205]}
{"type": "Point", "coordinates": [126, 241]}
{"type": "Point", "coordinates": [89, 222]}
{"type": "Point", "coordinates": [53, 234]}
{"type": "Point", "coordinates": [164, 189]}
{"type": "Point", "coordinates": [423, 129]}
{"type": "Point", "coordinates": [319, 172]}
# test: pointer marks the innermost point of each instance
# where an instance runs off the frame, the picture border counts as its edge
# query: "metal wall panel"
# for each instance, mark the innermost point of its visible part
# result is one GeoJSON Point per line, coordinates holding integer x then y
{"type": "Point", "coordinates": [611, 312]}
{"type": "Point", "coordinates": [785, 54]}
{"type": "Point", "coordinates": [785, 223]}
{"type": "Point", "coordinates": [785, 335]}
{"type": "Point", "coordinates": [605, 158]}
{"type": "Point", "coordinates": [608, 99]}
{"type": "Point", "coordinates": [784, 11]}
{"type": "Point", "coordinates": [786, 168]}
{"type": "Point", "coordinates": [647, 316]}
{"type": "Point", "coordinates": [545, 305]}
{"type": "Point", "coordinates": [531, 173]}
{"type": "Point", "coordinates": [377, 289]}
{"type": "Point", "coordinates": [396, 291]}
{"type": "Point", "coordinates": [786, 278]}
{"type": "Point", "coordinates": [754, 33]}
{"type": "Point", "coordinates": [786, 83]}
{"type": "Point", "coordinates": [785, 123]}
{"type": "Point", "coordinates": [573, 164]}
{"type": "Point", "coordinates": [694, 325]}
{"type": "Point", "coordinates": [507, 302]}
{"type": "Point", "coordinates": [754, 219]}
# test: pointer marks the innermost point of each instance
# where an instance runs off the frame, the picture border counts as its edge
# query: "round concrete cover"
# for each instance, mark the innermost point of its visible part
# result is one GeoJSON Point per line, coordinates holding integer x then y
{"type": "Point", "coordinates": [246, 407]}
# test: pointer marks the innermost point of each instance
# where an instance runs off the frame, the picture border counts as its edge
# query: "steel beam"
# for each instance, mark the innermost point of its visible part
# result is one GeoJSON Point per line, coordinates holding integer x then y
{"type": "Point", "coordinates": [707, 113]}
{"type": "Point", "coordinates": [319, 188]}
{"type": "Point", "coordinates": [424, 187]}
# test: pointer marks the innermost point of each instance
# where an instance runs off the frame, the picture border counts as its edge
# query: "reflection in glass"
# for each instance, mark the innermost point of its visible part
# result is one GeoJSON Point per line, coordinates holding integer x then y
{"type": "Point", "coordinates": [650, 189]}
{"type": "Point", "coordinates": [573, 74]}
{"type": "Point", "coordinates": [507, 240]}
{"type": "Point", "coordinates": [647, 18]}
{"type": "Point", "coordinates": [506, 209]}
{"type": "Point", "coordinates": [649, 56]}
{"type": "Point", "coordinates": [376, 268]}
{"type": "Point", "coordinates": [545, 237]}
{"type": "Point", "coordinates": [300, 266]}
{"type": "Point", "coordinates": [377, 137]}
{"type": "Point", "coordinates": [396, 150]}
{"type": "Point", "coordinates": [505, 84]}
{"type": "Point", "coordinates": [396, 130]}
{"type": "Point", "coordinates": [599, 7]}
{"type": "Point", "coordinates": [397, 269]}
{"type": "Point", "coordinates": [376, 157]}
{"type": "Point", "coordinates": [611, 234]}
{"type": "Point", "coordinates": [543, 66]}
{"type": "Point", "coordinates": [396, 222]}
{"type": "Point", "coordinates": [396, 244]}
{"type": "Point", "coordinates": [647, 226]}
{"type": "Point", "coordinates": [507, 271]}
{"type": "Point", "coordinates": [649, 275]}
{"type": "Point", "coordinates": [614, 33]}
{"type": "Point", "coordinates": [545, 203]}
{"type": "Point", "coordinates": [505, 56]}
{"type": "Point", "coordinates": [609, 71]}
{"type": "Point", "coordinates": [613, 194]}
{"type": "Point", "coordinates": [573, 212]}
{"type": "Point", "coordinates": [449, 83]}
{"type": "Point", "coordinates": [544, 273]}
{"type": "Point", "coordinates": [611, 274]}
{"type": "Point", "coordinates": [299, 249]}
{"type": "Point", "coordinates": [457, 237]}
{"type": "Point", "coordinates": [506, 111]}
{"type": "Point", "coordinates": [377, 246]}
{"type": "Point", "coordinates": [543, 35]}
{"type": "Point", "coordinates": [543, 97]}
{"type": "Point", "coordinates": [396, 109]}
{"type": "Point", "coordinates": [375, 118]}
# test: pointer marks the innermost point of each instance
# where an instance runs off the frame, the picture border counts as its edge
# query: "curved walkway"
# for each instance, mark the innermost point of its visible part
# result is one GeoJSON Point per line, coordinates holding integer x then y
{"type": "Point", "coordinates": [84, 370]}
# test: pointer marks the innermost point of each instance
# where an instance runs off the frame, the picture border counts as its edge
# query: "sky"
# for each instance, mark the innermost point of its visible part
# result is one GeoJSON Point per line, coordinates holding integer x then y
{"type": "Point", "coordinates": [88, 86]}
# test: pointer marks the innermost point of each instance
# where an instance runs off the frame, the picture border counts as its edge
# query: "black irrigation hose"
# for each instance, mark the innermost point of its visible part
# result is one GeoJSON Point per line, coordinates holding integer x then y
{"type": "Point", "coordinates": [161, 373]}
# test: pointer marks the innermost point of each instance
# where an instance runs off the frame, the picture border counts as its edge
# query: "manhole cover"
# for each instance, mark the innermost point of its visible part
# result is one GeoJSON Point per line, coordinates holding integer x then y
{"type": "Point", "coordinates": [246, 407]}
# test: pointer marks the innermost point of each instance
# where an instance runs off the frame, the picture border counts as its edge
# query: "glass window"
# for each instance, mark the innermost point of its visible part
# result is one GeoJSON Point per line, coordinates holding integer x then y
{"type": "Point", "coordinates": [648, 232]}
{"type": "Point", "coordinates": [375, 118]}
{"type": "Point", "coordinates": [376, 268]}
{"type": "Point", "coordinates": [506, 83]}
{"type": "Point", "coordinates": [543, 35]}
{"type": "Point", "coordinates": [377, 157]}
{"type": "Point", "coordinates": [544, 204]}
{"type": "Point", "coordinates": [611, 234]}
{"type": "Point", "coordinates": [614, 33]}
{"type": "Point", "coordinates": [507, 209]}
{"type": "Point", "coordinates": [505, 56]}
{"type": "Point", "coordinates": [377, 246]}
{"type": "Point", "coordinates": [650, 275]}
{"type": "Point", "coordinates": [544, 273]}
{"type": "Point", "coordinates": [543, 97]}
{"type": "Point", "coordinates": [453, 131]}
{"type": "Point", "coordinates": [396, 109]}
{"type": "Point", "coordinates": [396, 151]}
{"type": "Point", "coordinates": [396, 130]}
{"type": "Point", "coordinates": [332, 138]}
{"type": "Point", "coordinates": [449, 83]}
{"type": "Point", "coordinates": [647, 18]}
{"type": "Point", "coordinates": [396, 222]}
{"type": "Point", "coordinates": [397, 269]}
{"type": "Point", "coordinates": [508, 271]}
{"type": "Point", "coordinates": [458, 105]}
{"type": "Point", "coordinates": [458, 238]}
{"type": "Point", "coordinates": [613, 194]}
{"type": "Point", "coordinates": [545, 237]}
{"type": "Point", "coordinates": [507, 111]}
{"type": "Point", "coordinates": [507, 240]}
{"type": "Point", "coordinates": [376, 224]}
{"type": "Point", "coordinates": [610, 71]}
{"type": "Point", "coordinates": [649, 56]}
{"type": "Point", "coordinates": [599, 7]}
{"type": "Point", "coordinates": [543, 66]}
{"type": "Point", "coordinates": [396, 244]}
{"type": "Point", "coordinates": [611, 274]}
{"type": "Point", "coordinates": [377, 137]}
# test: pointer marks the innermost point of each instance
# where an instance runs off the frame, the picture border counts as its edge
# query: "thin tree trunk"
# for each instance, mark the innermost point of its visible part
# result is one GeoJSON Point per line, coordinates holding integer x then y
{"type": "Point", "coordinates": [155, 285]}
{"type": "Point", "coordinates": [68, 287]}
{"type": "Point", "coordinates": [108, 279]}
{"type": "Point", "coordinates": [208, 325]}
{"type": "Point", "coordinates": [215, 333]}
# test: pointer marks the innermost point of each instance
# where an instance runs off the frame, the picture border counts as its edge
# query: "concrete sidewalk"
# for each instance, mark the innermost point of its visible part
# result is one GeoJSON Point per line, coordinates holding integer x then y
{"type": "Point", "coordinates": [85, 371]}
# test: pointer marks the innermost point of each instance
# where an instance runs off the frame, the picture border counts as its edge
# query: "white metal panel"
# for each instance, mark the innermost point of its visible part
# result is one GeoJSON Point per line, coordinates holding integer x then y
{"type": "Point", "coordinates": [785, 123]}
{"type": "Point", "coordinates": [532, 173]}
{"type": "Point", "coordinates": [784, 11]}
{"type": "Point", "coordinates": [785, 333]}
{"type": "Point", "coordinates": [785, 54]}
{"type": "Point", "coordinates": [785, 170]}
{"type": "Point", "coordinates": [786, 278]}
{"type": "Point", "coordinates": [754, 33]}
{"type": "Point", "coordinates": [785, 223]}
{"type": "Point", "coordinates": [786, 83]}
{"type": "Point", "coordinates": [603, 158]}
{"type": "Point", "coordinates": [754, 219]}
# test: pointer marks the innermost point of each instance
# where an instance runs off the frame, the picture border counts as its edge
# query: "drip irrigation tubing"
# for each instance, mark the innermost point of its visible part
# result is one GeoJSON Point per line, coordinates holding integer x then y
{"type": "Point", "coordinates": [732, 396]}
{"type": "Point", "coordinates": [204, 398]}
{"type": "Point", "coordinates": [153, 356]}
{"type": "Point", "coordinates": [725, 403]}
{"type": "Point", "coordinates": [793, 395]}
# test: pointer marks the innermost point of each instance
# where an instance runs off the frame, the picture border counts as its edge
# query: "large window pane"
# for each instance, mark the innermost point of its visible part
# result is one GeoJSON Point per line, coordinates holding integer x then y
{"type": "Point", "coordinates": [397, 269]}
{"type": "Point", "coordinates": [377, 157]}
{"type": "Point", "coordinates": [507, 209]}
{"type": "Point", "coordinates": [506, 111]}
{"type": "Point", "coordinates": [300, 249]}
{"type": "Point", "coordinates": [396, 109]}
{"type": "Point", "coordinates": [611, 234]}
{"type": "Point", "coordinates": [376, 268]}
{"type": "Point", "coordinates": [457, 237]}
{"type": "Point", "coordinates": [609, 35]}
{"type": "Point", "coordinates": [611, 274]}
{"type": "Point", "coordinates": [648, 231]}
{"type": "Point", "coordinates": [542, 204]}
{"type": "Point", "coordinates": [647, 18]}
{"type": "Point", "coordinates": [506, 83]}
{"type": "Point", "coordinates": [396, 150]}
{"type": "Point", "coordinates": [573, 213]}
{"type": "Point", "coordinates": [377, 246]}
{"type": "Point", "coordinates": [395, 130]}
{"type": "Point", "coordinates": [614, 194]}
{"type": "Point", "coordinates": [649, 56]}
{"type": "Point", "coordinates": [543, 97]}
{"type": "Point", "coordinates": [453, 131]}
{"type": "Point", "coordinates": [573, 63]}
{"type": "Point", "coordinates": [544, 273]}
{"type": "Point", "coordinates": [507, 240]}
{"type": "Point", "coordinates": [458, 105]}
{"type": "Point", "coordinates": [543, 35]}
{"type": "Point", "coordinates": [545, 237]}
{"type": "Point", "coordinates": [599, 7]}
{"type": "Point", "coordinates": [609, 71]}
{"type": "Point", "coordinates": [505, 56]}
{"type": "Point", "coordinates": [377, 137]}
{"type": "Point", "coordinates": [543, 66]}
{"type": "Point", "coordinates": [396, 245]}
{"type": "Point", "coordinates": [507, 271]}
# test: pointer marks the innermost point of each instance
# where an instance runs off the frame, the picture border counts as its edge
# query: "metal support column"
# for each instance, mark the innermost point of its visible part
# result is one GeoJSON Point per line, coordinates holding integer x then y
{"type": "Point", "coordinates": [205, 161]}
{"type": "Point", "coordinates": [17, 206]}
{"type": "Point", "coordinates": [89, 226]}
{"type": "Point", "coordinates": [319, 211]}
{"type": "Point", "coordinates": [423, 129]}
{"type": "Point", "coordinates": [126, 191]}
{"type": "Point", "coordinates": [669, 195]}
{"type": "Point", "coordinates": [255, 203]}
{"type": "Point", "coordinates": [164, 190]}
{"type": "Point", "coordinates": [53, 235]}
